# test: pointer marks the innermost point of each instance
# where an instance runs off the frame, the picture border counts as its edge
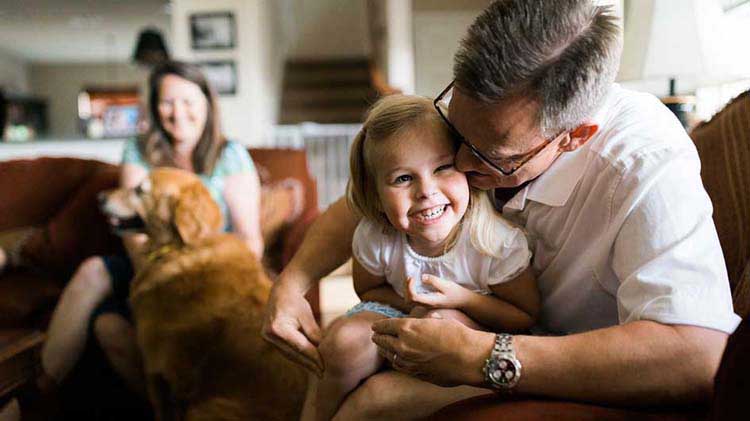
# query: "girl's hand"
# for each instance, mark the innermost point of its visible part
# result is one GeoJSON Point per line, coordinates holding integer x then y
{"type": "Point", "coordinates": [447, 294]}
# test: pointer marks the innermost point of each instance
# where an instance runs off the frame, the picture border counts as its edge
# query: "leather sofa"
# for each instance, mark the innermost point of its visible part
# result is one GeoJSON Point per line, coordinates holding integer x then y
{"type": "Point", "coordinates": [723, 144]}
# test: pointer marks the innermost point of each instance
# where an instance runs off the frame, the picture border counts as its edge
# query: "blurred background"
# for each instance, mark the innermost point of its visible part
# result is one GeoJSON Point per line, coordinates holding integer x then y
{"type": "Point", "coordinates": [300, 73]}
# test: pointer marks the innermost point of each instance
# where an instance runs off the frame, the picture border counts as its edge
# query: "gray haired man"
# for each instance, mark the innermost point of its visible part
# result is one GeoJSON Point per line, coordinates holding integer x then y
{"type": "Point", "coordinates": [636, 306]}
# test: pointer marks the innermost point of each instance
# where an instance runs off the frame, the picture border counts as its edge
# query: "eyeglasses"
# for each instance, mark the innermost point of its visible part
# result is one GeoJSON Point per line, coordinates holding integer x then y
{"type": "Point", "coordinates": [441, 105]}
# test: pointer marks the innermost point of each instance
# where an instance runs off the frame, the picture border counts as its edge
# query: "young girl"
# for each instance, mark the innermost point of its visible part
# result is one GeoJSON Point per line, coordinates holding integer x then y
{"type": "Point", "coordinates": [425, 244]}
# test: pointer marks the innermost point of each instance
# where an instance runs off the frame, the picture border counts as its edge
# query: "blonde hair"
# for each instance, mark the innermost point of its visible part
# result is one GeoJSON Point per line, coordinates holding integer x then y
{"type": "Point", "coordinates": [393, 115]}
{"type": "Point", "coordinates": [388, 117]}
{"type": "Point", "coordinates": [486, 223]}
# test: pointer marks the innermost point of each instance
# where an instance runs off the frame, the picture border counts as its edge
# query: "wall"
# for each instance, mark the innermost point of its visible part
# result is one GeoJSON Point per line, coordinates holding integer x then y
{"type": "Point", "coordinates": [258, 57]}
{"type": "Point", "coordinates": [437, 33]}
{"type": "Point", "coordinates": [439, 26]}
{"type": "Point", "coordinates": [330, 29]}
{"type": "Point", "coordinates": [400, 45]}
{"type": "Point", "coordinates": [60, 84]}
{"type": "Point", "coordinates": [13, 73]}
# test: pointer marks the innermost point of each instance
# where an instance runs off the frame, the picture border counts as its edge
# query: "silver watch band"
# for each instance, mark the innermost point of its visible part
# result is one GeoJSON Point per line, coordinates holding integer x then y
{"type": "Point", "coordinates": [502, 370]}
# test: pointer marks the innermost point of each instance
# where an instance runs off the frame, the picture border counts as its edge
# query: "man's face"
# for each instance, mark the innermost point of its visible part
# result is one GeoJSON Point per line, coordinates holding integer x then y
{"type": "Point", "coordinates": [502, 132]}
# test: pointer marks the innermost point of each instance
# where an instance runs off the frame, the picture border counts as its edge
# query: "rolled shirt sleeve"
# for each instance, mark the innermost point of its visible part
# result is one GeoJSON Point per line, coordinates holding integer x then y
{"type": "Point", "coordinates": [667, 254]}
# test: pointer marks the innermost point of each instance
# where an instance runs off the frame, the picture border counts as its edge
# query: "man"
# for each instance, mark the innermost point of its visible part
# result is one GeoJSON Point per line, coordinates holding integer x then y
{"type": "Point", "coordinates": [636, 304]}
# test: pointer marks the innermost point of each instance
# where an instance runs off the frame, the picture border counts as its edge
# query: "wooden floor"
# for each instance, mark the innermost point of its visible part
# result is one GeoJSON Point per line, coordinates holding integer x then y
{"type": "Point", "coordinates": [336, 294]}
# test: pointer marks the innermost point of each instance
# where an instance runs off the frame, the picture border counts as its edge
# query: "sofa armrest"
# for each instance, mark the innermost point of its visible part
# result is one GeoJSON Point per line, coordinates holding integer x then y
{"type": "Point", "coordinates": [495, 407]}
{"type": "Point", "coordinates": [741, 294]}
{"type": "Point", "coordinates": [731, 385]}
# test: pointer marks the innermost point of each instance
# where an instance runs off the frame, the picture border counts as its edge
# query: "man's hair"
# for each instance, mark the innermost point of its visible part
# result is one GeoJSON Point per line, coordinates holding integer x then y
{"type": "Point", "coordinates": [392, 115]}
{"type": "Point", "coordinates": [564, 54]}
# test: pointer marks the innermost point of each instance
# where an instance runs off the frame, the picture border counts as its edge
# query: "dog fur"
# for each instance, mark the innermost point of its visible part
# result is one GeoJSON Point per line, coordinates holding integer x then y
{"type": "Point", "coordinates": [198, 304]}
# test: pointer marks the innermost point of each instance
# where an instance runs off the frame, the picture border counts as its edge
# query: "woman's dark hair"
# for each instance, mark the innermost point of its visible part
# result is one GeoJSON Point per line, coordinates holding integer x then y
{"type": "Point", "coordinates": [156, 144]}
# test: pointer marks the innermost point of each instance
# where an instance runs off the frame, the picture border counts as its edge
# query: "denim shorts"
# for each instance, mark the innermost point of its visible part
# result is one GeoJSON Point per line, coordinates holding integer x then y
{"type": "Point", "coordinates": [121, 274]}
{"type": "Point", "coordinates": [375, 307]}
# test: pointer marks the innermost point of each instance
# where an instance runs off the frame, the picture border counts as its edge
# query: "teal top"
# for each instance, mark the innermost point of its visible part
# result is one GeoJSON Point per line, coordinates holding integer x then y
{"type": "Point", "coordinates": [234, 159]}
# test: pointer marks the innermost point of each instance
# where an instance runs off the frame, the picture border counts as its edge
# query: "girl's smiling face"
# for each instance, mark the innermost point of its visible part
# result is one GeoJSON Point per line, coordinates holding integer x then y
{"type": "Point", "coordinates": [421, 192]}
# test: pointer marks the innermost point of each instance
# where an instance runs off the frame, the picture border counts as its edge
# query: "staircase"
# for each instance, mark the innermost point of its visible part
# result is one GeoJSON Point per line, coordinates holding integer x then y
{"type": "Point", "coordinates": [326, 91]}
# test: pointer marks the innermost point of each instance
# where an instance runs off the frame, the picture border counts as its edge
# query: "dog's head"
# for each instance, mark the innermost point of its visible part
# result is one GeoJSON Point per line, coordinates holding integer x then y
{"type": "Point", "coordinates": [170, 205]}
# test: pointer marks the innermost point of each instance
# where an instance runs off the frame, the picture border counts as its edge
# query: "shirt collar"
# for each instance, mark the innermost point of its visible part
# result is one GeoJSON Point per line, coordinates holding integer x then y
{"type": "Point", "coordinates": [554, 186]}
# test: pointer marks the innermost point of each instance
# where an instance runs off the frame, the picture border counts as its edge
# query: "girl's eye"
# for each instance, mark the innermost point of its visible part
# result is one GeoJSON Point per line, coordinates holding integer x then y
{"type": "Point", "coordinates": [444, 167]}
{"type": "Point", "coordinates": [402, 179]}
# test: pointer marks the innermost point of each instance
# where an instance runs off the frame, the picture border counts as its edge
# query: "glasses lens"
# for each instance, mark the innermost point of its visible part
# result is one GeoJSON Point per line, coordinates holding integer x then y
{"type": "Point", "coordinates": [444, 101]}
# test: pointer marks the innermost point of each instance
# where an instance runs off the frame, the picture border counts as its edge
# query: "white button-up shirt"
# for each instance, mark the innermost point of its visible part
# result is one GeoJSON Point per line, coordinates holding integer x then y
{"type": "Point", "coordinates": [621, 228]}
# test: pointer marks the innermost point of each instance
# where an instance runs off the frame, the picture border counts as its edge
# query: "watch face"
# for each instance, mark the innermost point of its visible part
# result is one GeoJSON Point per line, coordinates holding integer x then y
{"type": "Point", "coordinates": [503, 371]}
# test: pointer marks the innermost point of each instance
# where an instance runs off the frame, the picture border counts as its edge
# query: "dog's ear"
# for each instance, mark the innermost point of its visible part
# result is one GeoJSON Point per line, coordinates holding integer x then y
{"type": "Point", "coordinates": [196, 215]}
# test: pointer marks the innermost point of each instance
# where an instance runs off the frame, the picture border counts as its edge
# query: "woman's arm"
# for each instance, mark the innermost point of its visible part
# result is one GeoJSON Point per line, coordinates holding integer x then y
{"type": "Point", "coordinates": [375, 288]}
{"type": "Point", "coordinates": [242, 194]}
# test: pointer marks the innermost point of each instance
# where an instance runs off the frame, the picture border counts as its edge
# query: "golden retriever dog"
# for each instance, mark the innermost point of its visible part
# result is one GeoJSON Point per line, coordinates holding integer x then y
{"type": "Point", "coordinates": [197, 305]}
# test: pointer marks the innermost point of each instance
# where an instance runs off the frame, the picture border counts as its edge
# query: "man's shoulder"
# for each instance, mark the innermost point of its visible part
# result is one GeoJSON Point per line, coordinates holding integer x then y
{"type": "Point", "coordinates": [635, 127]}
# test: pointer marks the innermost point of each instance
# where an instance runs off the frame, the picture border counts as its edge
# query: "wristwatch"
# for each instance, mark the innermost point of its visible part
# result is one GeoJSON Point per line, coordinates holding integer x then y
{"type": "Point", "coordinates": [502, 369]}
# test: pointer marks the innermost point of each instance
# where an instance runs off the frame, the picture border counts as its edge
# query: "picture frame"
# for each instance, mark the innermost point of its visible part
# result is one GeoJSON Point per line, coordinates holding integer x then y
{"type": "Point", "coordinates": [213, 31]}
{"type": "Point", "coordinates": [221, 75]}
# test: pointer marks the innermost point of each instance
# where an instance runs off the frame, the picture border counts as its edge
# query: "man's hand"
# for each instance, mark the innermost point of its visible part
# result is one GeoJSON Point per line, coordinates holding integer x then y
{"type": "Point", "coordinates": [441, 351]}
{"type": "Point", "coordinates": [446, 295]}
{"type": "Point", "coordinates": [289, 325]}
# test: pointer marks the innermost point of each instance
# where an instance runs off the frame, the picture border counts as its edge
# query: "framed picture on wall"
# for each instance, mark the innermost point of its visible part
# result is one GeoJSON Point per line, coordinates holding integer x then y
{"type": "Point", "coordinates": [222, 75]}
{"type": "Point", "coordinates": [213, 31]}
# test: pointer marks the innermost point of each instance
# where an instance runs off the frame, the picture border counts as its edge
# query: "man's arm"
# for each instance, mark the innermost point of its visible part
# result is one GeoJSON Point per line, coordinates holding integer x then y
{"type": "Point", "coordinates": [638, 363]}
{"type": "Point", "coordinates": [289, 323]}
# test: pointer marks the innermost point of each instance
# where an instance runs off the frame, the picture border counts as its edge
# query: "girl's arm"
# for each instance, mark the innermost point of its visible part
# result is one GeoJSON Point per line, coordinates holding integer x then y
{"type": "Point", "coordinates": [370, 287]}
{"type": "Point", "coordinates": [242, 194]}
{"type": "Point", "coordinates": [513, 307]}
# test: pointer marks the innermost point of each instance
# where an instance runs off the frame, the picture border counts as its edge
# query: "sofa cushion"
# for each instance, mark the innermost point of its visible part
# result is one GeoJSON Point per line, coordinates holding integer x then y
{"type": "Point", "coordinates": [34, 190]}
{"type": "Point", "coordinates": [26, 298]}
{"type": "Point", "coordinates": [724, 147]}
{"type": "Point", "coordinates": [287, 163]}
{"type": "Point", "coordinates": [77, 230]}
{"type": "Point", "coordinates": [496, 407]}
{"type": "Point", "coordinates": [732, 383]}
{"type": "Point", "coordinates": [741, 294]}
{"type": "Point", "coordinates": [281, 203]}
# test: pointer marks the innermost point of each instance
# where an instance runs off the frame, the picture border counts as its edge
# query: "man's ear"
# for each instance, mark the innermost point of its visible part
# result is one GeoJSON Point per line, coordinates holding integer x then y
{"type": "Point", "coordinates": [579, 136]}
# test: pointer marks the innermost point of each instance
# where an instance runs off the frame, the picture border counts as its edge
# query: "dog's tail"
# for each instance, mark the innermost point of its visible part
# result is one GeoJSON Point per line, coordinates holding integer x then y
{"type": "Point", "coordinates": [216, 409]}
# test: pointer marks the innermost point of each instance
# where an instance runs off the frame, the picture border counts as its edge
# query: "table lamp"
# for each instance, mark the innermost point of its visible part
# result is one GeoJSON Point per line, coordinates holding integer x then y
{"type": "Point", "coordinates": [680, 45]}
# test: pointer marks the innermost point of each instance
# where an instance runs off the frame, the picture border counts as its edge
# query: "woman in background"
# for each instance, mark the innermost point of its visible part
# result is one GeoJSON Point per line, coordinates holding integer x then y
{"type": "Point", "coordinates": [185, 134]}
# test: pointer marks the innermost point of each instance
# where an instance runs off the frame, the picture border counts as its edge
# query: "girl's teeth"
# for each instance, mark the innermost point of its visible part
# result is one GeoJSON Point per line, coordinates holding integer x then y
{"type": "Point", "coordinates": [432, 214]}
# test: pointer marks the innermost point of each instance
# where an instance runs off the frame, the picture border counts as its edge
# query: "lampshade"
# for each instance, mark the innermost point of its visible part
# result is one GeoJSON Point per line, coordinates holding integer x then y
{"type": "Point", "coordinates": [150, 48]}
{"type": "Point", "coordinates": [688, 40]}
